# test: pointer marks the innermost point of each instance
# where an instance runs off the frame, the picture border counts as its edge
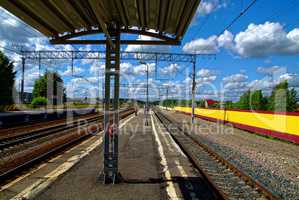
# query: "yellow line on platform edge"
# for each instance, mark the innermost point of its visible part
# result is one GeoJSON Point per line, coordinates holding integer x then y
{"type": "Point", "coordinates": [34, 189]}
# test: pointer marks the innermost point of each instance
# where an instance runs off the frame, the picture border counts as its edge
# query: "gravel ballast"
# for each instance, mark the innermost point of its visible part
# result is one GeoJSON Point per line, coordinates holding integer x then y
{"type": "Point", "coordinates": [273, 163]}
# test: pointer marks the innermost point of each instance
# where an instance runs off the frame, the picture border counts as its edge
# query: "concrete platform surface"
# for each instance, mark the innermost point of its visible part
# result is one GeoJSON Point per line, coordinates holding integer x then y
{"type": "Point", "coordinates": [138, 164]}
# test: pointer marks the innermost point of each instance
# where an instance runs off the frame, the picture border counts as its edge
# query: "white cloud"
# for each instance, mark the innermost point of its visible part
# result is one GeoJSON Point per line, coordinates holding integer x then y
{"type": "Point", "coordinates": [141, 69]}
{"type": "Point", "coordinates": [201, 45]}
{"type": "Point", "coordinates": [74, 71]}
{"type": "Point", "coordinates": [293, 79]}
{"type": "Point", "coordinates": [97, 68]}
{"type": "Point", "coordinates": [266, 39]}
{"type": "Point", "coordinates": [235, 78]}
{"type": "Point", "coordinates": [170, 69]}
{"type": "Point", "coordinates": [86, 48]}
{"type": "Point", "coordinates": [265, 83]}
{"type": "Point", "coordinates": [12, 30]}
{"type": "Point", "coordinates": [126, 68]}
{"type": "Point", "coordinates": [88, 61]}
{"type": "Point", "coordinates": [205, 73]}
{"type": "Point", "coordinates": [271, 70]}
{"type": "Point", "coordinates": [208, 6]}
{"type": "Point", "coordinates": [234, 86]}
{"type": "Point", "coordinates": [258, 40]}
{"type": "Point", "coordinates": [204, 76]}
{"type": "Point", "coordinates": [226, 40]}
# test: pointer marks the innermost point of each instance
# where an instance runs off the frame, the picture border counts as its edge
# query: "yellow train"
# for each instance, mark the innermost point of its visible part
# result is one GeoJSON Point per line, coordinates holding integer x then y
{"type": "Point", "coordinates": [279, 125]}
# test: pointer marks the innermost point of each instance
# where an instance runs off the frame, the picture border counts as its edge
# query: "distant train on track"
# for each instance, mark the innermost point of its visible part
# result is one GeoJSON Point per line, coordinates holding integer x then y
{"type": "Point", "coordinates": [284, 126]}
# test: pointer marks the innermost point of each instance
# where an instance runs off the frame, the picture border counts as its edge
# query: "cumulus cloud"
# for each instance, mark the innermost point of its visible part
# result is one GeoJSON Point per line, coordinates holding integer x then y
{"type": "Point", "coordinates": [293, 79]}
{"type": "Point", "coordinates": [141, 69]}
{"type": "Point", "coordinates": [235, 78]}
{"type": "Point", "coordinates": [265, 83]}
{"type": "Point", "coordinates": [170, 69]}
{"type": "Point", "coordinates": [204, 46]}
{"type": "Point", "coordinates": [12, 30]}
{"type": "Point", "coordinates": [258, 40]}
{"type": "Point", "coordinates": [203, 77]}
{"type": "Point", "coordinates": [234, 85]}
{"type": "Point", "coordinates": [126, 68]}
{"type": "Point", "coordinates": [208, 6]}
{"type": "Point", "coordinates": [97, 68]}
{"type": "Point", "coordinates": [271, 70]}
{"type": "Point", "coordinates": [266, 39]}
{"type": "Point", "coordinates": [74, 71]}
{"type": "Point", "coordinates": [225, 40]}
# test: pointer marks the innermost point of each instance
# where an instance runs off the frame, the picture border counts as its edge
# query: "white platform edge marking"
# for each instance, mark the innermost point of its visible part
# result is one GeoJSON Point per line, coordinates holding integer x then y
{"type": "Point", "coordinates": [34, 189]}
{"type": "Point", "coordinates": [170, 189]}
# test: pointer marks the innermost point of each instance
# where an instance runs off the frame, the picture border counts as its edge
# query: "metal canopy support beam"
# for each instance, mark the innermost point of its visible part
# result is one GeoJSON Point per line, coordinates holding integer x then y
{"type": "Point", "coordinates": [124, 42]}
{"type": "Point", "coordinates": [112, 73]}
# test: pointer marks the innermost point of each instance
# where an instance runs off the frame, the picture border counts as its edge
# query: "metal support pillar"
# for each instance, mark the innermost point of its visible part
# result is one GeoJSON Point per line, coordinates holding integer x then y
{"type": "Point", "coordinates": [111, 115]}
{"type": "Point", "coordinates": [193, 91]}
{"type": "Point", "coordinates": [147, 103]}
{"type": "Point", "coordinates": [23, 80]}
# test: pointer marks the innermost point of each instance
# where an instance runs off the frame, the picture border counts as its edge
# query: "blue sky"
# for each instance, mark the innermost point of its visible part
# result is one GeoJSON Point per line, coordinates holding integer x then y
{"type": "Point", "coordinates": [258, 51]}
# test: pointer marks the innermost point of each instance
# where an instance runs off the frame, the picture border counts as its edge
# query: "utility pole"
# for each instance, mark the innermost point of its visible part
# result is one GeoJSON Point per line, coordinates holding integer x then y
{"type": "Point", "coordinates": [193, 90]}
{"type": "Point", "coordinates": [23, 77]}
{"type": "Point", "coordinates": [167, 97]}
{"type": "Point", "coordinates": [147, 100]}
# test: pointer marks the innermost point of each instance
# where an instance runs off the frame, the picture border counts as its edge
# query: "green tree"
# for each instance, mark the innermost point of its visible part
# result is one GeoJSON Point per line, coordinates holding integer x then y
{"type": "Point", "coordinates": [7, 80]}
{"type": "Point", "coordinates": [282, 98]}
{"type": "Point", "coordinates": [244, 102]}
{"type": "Point", "coordinates": [292, 100]}
{"type": "Point", "coordinates": [256, 100]}
{"type": "Point", "coordinates": [50, 80]}
{"type": "Point", "coordinates": [40, 87]}
{"type": "Point", "coordinates": [201, 103]}
{"type": "Point", "coordinates": [265, 103]}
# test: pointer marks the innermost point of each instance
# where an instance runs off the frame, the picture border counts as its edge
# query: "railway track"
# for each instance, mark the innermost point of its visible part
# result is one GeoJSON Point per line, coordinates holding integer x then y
{"type": "Point", "coordinates": [225, 177]}
{"type": "Point", "coordinates": [15, 163]}
{"type": "Point", "coordinates": [30, 126]}
{"type": "Point", "coordinates": [43, 132]}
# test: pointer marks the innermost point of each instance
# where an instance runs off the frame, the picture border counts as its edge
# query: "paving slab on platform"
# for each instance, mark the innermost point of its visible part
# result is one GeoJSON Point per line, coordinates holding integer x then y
{"type": "Point", "coordinates": [139, 164]}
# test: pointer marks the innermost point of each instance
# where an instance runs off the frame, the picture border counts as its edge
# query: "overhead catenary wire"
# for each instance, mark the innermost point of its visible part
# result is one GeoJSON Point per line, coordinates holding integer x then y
{"type": "Point", "coordinates": [9, 49]}
{"type": "Point", "coordinates": [238, 17]}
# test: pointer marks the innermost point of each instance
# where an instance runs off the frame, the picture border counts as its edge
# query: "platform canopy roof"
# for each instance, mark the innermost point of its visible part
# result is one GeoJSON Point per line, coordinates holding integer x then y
{"type": "Point", "coordinates": [64, 20]}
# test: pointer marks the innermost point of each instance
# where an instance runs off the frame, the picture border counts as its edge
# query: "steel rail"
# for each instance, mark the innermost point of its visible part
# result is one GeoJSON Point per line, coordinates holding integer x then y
{"type": "Point", "coordinates": [46, 131]}
{"type": "Point", "coordinates": [205, 176]}
{"type": "Point", "coordinates": [247, 179]}
{"type": "Point", "coordinates": [36, 134]}
{"type": "Point", "coordinates": [13, 171]}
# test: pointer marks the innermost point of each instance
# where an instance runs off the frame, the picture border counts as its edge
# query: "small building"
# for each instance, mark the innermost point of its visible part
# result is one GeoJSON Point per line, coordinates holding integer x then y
{"type": "Point", "coordinates": [210, 103]}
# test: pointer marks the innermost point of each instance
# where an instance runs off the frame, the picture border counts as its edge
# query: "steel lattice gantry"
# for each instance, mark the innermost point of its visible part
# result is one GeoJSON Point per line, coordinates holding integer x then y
{"type": "Point", "coordinates": [124, 55]}
{"type": "Point", "coordinates": [63, 21]}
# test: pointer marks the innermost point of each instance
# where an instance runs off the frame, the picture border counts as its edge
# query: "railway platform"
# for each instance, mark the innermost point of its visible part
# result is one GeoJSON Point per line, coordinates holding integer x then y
{"type": "Point", "coordinates": [138, 166]}
{"type": "Point", "coordinates": [151, 164]}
